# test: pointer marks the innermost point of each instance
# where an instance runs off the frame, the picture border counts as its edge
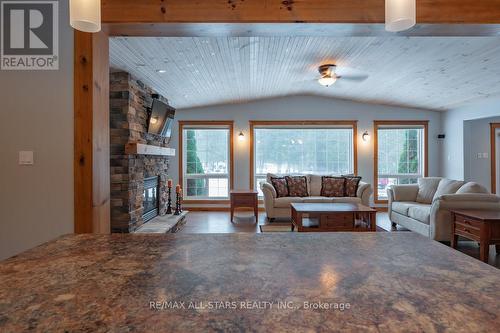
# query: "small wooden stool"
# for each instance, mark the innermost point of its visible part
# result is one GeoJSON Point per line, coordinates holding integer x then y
{"type": "Point", "coordinates": [244, 199]}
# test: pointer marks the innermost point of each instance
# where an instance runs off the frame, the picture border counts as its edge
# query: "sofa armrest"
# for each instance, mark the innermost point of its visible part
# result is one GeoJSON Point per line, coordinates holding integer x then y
{"type": "Point", "coordinates": [476, 197]}
{"type": "Point", "coordinates": [269, 196]}
{"type": "Point", "coordinates": [268, 189]}
{"type": "Point", "coordinates": [364, 192]}
{"type": "Point", "coordinates": [440, 219]}
{"type": "Point", "coordinates": [403, 192]}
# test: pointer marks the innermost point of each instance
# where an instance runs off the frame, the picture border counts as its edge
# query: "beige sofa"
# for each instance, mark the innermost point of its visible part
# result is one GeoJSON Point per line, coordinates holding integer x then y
{"type": "Point", "coordinates": [425, 207]}
{"type": "Point", "coordinates": [280, 207]}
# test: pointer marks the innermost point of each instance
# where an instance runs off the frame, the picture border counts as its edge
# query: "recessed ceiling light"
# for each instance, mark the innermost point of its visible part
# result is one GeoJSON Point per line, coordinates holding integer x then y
{"type": "Point", "coordinates": [161, 71]}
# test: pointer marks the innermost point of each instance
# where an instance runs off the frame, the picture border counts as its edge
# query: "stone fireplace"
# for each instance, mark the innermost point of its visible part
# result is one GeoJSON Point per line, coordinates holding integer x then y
{"type": "Point", "coordinates": [138, 182]}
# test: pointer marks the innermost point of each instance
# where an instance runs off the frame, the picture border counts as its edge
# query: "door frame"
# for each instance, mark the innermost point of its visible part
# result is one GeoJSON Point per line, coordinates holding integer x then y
{"type": "Point", "coordinates": [341, 18]}
{"type": "Point", "coordinates": [493, 157]}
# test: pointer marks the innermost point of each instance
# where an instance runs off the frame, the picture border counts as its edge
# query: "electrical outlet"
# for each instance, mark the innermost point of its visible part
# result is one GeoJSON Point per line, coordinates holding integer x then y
{"type": "Point", "coordinates": [26, 158]}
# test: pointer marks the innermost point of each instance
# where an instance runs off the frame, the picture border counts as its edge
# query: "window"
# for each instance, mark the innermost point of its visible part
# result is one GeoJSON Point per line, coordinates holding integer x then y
{"type": "Point", "coordinates": [206, 159]}
{"type": "Point", "coordinates": [303, 148]}
{"type": "Point", "coordinates": [401, 154]}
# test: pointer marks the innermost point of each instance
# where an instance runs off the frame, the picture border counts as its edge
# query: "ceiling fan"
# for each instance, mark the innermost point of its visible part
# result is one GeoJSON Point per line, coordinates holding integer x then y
{"type": "Point", "coordinates": [329, 75]}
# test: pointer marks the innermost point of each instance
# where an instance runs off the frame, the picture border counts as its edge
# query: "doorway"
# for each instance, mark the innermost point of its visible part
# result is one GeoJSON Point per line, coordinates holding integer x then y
{"type": "Point", "coordinates": [495, 156]}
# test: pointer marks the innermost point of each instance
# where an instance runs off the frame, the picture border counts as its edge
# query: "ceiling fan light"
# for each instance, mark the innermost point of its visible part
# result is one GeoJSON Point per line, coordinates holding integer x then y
{"type": "Point", "coordinates": [400, 15]}
{"type": "Point", "coordinates": [85, 15]}
{"type": "Point", "coordinates": [327, 80]}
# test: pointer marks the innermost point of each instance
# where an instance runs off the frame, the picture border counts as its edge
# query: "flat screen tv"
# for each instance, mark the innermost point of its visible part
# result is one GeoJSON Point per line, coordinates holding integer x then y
{"type": "Point", "coordinates": [161, 118]}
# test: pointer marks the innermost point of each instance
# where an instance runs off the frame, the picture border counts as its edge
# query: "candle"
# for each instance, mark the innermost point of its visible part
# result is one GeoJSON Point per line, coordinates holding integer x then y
{"type": "Point", "coordinates": [169, 183]}
{"type": "Point", "coordinates": [178, 189]}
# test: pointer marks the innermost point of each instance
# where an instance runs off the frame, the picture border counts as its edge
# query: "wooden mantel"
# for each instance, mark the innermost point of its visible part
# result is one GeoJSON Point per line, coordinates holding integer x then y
{"type": "Point", "coordinates": [144, 149]}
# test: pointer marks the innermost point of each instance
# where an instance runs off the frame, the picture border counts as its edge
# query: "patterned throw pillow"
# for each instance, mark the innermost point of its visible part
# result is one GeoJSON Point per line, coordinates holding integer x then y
{"type": "Point", "coordinates": [332, 186]}
{"type": "Point", "coordinates": [279, 184]}
{"type": "Point", "coordinates": [297, 186]}
{"type": "Point", "coordinates": [351, 185]}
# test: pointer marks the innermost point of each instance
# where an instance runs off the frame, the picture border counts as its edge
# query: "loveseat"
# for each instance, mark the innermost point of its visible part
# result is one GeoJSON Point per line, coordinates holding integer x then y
{"type": "Point", "coordinates": [279, 207]}
{"type": "Point", "coordinates": [425, 207]}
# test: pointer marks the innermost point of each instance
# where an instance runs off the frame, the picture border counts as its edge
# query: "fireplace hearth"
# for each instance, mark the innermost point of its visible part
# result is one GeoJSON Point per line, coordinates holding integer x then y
{"type": "Point", "coordinates": [151, 198]}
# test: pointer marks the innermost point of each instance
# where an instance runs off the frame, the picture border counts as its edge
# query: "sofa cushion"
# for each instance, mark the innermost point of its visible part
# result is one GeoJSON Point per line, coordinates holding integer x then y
{"type": "Point", "coordinates": [362, 188]}
{"type": "Point", "coordinates": [427, 187]}
{"type": "Point", "coordinates": [315, 185]}
{"type": "Point", "coordinates": [420, 213]}
{"type": "Point", "coordinates": [346, 200]}
{"type": "Point", "coordinates": [280, 185]}
{"type": "Point", "coordinates": [297, 186]}
{"type": "Point", "coordinates": [332, 186]}
{"type": "Point", "coordinates": [351, 185]}
{"type": "Point", "coordinates": [317, 199]}
{"type": "Point", "coordinates": [472, 187]}
{"type": "Point", "coordinates": [402, 207]}
{"type": "Point", "coordinates": [447, 186]}
{"type": "Point", "coordinates": [286, 201]}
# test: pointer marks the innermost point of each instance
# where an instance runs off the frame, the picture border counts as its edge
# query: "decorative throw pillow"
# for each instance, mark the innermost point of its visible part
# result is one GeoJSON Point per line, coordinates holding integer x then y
{"type": "Point", "coordinates": [351, 185]}
{"type": "Point", "coordinates": [472, 187]}
{"type": "Point", "coordinates": [332, 186]}
{"type": "Point", "coordinates": [279, 184]}
{"type": "Point", "coordinates": [427, 187]}
{"type": "Point", "coordinates": [297, 186]}
{"type": "Point", "coordinates": [447, 186]}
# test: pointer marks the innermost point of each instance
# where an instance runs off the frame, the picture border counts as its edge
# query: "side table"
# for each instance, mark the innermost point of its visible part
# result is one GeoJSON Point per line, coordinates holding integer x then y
{"type": "Point", "coordinates": [482, 226]}
{"type": "Point", "coordinates": [244, 199]}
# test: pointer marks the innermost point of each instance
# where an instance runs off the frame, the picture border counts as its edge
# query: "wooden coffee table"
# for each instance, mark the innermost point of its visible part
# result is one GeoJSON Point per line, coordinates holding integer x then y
{"type": "Point", "coordinates": [479, 225]}
{"type": "Point", "coordinates": [328, 217]}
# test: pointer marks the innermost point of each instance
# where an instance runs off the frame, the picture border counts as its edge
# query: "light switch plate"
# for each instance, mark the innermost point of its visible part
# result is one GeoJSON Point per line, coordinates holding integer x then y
{"type": "Point", "coordinates": [26, 158]}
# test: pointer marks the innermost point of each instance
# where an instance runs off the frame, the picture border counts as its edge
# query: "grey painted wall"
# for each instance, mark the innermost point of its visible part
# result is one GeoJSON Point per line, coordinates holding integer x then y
{"type": "Point", "coordinates": [477, 141]}
{"type": "Point", "coordinates": [36, 202]}
{"type": "Point", "coordinates": [453, 157]}
{"type": "Point", "coordinates": [308, 108]}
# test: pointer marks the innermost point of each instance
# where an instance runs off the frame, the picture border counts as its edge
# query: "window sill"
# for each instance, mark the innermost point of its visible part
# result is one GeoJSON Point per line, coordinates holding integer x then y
{"type": "Point", "coordinates": [206, 201]}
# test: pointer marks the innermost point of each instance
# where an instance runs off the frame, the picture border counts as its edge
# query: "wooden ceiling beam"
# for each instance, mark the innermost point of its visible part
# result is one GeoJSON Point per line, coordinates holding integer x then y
{"type": "Point", "coordinates": [293, 11]}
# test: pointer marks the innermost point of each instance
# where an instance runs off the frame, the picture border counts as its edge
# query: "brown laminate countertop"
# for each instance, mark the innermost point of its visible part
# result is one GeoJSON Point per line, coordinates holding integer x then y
{"type": "Point", "coordinates": [233, 282]}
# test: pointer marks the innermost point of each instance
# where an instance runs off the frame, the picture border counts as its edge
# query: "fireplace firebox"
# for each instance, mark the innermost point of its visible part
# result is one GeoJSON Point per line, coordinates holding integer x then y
{"type": "Point", "coordinates": [151, 198]}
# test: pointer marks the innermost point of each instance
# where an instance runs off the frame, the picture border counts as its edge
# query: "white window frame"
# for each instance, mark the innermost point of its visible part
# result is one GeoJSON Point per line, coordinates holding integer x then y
{"type": "Point", "coordinates": [229, 128]}
{"type": "Point", "coordinates": [352, 126]}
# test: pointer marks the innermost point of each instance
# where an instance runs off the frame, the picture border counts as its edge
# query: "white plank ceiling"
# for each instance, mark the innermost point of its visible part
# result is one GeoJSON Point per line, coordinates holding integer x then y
{"type": "Point", "coordinates": [436, 73]}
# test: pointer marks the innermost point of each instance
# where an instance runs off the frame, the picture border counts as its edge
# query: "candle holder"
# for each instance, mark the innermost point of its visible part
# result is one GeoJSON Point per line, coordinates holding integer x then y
{"type": "Point", "coordinates": [169, 200]}
{"type": "Point", "coordinates": [177, 204]}
{"type": "Point", "coordinates": [181, 197]}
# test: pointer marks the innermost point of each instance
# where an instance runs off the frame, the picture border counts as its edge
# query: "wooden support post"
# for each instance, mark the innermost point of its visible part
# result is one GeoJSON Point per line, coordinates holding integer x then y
{"type": "Point", "coordinates": [91, 109]}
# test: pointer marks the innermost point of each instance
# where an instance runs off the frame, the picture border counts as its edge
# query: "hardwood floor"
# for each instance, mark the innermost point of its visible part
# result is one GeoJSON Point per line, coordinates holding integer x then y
{"type": "Point", "coordinates": [244, 221]}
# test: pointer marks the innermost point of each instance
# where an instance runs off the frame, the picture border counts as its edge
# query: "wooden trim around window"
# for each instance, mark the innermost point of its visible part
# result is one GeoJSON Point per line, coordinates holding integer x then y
{"type": "Point", "coordinates": [256, 123]}
{"type": "Point", "coordinates": [493, 156]}
{"type": "Point", "coordinates": [208, 123]}
{"type": "Point", "coordinates": [379, 123]}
